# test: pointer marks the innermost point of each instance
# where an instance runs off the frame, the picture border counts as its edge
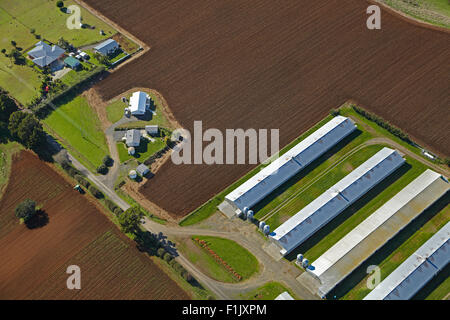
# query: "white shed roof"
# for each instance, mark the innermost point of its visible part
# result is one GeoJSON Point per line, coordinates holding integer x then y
{"type": "Point", "coordinates": [138, 102]}
{"type": "Point", "coordinates": [371, 234]}
{"type": "Point", "coordinates": [133, 137]}
{"type": "Point", "coordinates": [415, 272]}
{"type": "Point", "coordinates": [333, 201]}
{"type": "Point", "coordinates": [279, 171]}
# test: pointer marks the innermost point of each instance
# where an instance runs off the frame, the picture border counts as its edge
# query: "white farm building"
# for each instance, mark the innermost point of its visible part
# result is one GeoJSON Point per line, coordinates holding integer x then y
{"type": "Point", "coordinates": [290, 163]}
{"type": "Point", "coordinates": [359, 244]}
{"type": "Point", "coordinates": [415, 272]}
{"type": "Point", "coordinates": [139, 103]}
{"type": "Point", "coordinates": [335, 200]}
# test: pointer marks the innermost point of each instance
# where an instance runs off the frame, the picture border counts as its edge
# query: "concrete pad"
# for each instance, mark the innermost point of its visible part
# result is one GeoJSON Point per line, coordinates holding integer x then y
{"type": "Point", "coordinates": [309, 282]}
{"type": "Point", "coordinates": [227, 209]}
{"type": "Point", "coordinates": [273, 250]}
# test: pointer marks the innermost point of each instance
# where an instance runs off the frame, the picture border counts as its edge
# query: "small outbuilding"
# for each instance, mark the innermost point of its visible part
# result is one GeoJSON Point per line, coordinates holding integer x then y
{"type": "Point", "coordinates": [152, 130]}
{"type": "Point", "coordinates": [107, 47]}
{"type": "Point", "coordinates": [142, 170]}
{"type": "Point", "coordinates": [131, 151]}
{"type": "Point", "coordinates": [72, 63]}
{"type": "Point", "coordinates": [139, 103]}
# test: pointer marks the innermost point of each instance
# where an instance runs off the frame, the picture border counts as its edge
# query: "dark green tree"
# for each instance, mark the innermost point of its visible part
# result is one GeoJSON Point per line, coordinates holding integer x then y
{"type": "Point", "coordinates": [27, 129]}
{"type": "Point", "coordinates": [7, 107]}
{"type": "Point", "coordinates": [59, 4]}
{"type": "Point", "coordinates": [130, 219]}
{"type": "Point", "coordinates": [26, 210]}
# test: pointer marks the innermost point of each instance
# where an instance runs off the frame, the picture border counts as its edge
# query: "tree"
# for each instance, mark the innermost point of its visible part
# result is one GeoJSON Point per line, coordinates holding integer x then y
{"type": "Point", "coordinates": [26, 210]}
{"type": "Point", "coordinates": [60, 4]}
{"type": "Point", "coordinates": [27, 129]}
{"type": "Point", "coordinates": [160, 252]}
{"type": "Point", "coordinates": [16, 57]}
{"type": "Point", "coordinates": [102, 169]}
{"type": "Point", "coordinates": [13, 43]}
{"type": "Point", "coordinates": [64, 44]}
{"type": "Point", "coordinates": [7, 107]}
{"type": "Point", "coordinates": [131, 219]}
{"type": "Point", "coordinates": [3, 50]}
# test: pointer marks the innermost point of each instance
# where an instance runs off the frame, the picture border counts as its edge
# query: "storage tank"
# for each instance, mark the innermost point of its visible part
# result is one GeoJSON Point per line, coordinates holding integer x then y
{"type": "Point", "coordinates": [132, 174]}
{"type": "Point", "coordinates": [299, 257]}
{"type": "Point", "coordinates": [245, 210]}
{"type": "Point", "coordinates": [250, 215]}
{"type": "Point", "coordinates": [305, 263]}
{"type": "Point", "coordinates": [261, 225]}
{"type": "Point", "coordinates": [266, 229]}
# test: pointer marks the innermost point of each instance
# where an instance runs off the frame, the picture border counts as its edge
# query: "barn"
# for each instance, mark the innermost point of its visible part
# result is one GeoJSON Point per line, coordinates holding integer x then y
{"type": "Point", "coordinates": [416, 271]}
{"type": "Point", "coordinates": [336, 199]}
{"type": "Point", "coordinates": [290, 163]}
{"type": "Point", "coordinates": [375, 231]}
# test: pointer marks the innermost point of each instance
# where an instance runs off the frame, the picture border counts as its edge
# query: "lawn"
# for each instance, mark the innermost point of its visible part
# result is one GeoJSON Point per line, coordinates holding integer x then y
{"type": "Point", "coordinates": [355, 214]}
{"type": "Point", "coordinates": [397, 250]}
{"type": "Point", "coordinates": [76, 124]}
{"type": "Point", "coordinates": [6, 152]}
{"type": "Point", "coordinates": [145, 150]}
{"type": "Point", "coordinates": [268, 291]}
{"type": "Point", "coordinates": [17, 18]}
{"type": "Point", "coordinates": [309, 193]}
{"type": "Point", "coordinates": [239, 258]}
{"type": "Point", "coordinates": [433, 11]}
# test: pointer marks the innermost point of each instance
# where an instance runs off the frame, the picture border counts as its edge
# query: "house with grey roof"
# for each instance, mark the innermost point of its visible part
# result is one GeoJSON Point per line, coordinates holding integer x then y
{"type": "Point", "coordinates": [107, 47]}
{"type": "Point", "coordinates": [142, 169]}
{"type": "Point", "coordinates": [44, 55]}
{"type": "Point", "coordinates": [133, 138]}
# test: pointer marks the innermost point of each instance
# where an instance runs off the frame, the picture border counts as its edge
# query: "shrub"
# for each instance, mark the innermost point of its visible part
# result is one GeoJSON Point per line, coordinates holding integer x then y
{"type": "Point", "coordinates": [26, 209]}
{"type": "Point", "coordinates": [186, 276]}
{"type": "Point", "coordinates": [95, 192]}
{"type": "Point", "coordinates": [102, 169]}
{"type": "Point", "coordinates": [60, 4]}
{"type": "Point", "coordinates": [111, 205]}
{"type": "Point", "coordinates": [167, 257]}
{"type": "Point", "coordinates": [81, 180]}
{"type": "Point", "coordinates": [118, 211]}
{"type": "Point", "coordinates": [160, 252]}
{"type": "Point", "coordinates": [334, 112]}
{"type": "Point", "coordinates": [108, 161]}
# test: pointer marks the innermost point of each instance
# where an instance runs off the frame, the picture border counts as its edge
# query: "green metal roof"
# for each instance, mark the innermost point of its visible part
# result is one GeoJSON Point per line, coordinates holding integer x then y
{"type": "Point", "coordinates": [71, 62]}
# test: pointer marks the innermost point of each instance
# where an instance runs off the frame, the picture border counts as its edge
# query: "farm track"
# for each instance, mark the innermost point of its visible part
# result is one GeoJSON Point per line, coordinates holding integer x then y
{"type": "Point", "coordinates": [265, 64]}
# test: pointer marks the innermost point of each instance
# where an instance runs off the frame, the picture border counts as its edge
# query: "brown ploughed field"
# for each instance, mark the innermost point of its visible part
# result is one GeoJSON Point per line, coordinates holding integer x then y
{"type": "Point", "coordinates": [34, 260]}
{"type": "Point", "coordinates": [277, 64]}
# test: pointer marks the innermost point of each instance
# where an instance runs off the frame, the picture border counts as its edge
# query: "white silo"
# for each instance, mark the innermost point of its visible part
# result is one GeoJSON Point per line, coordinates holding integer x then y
{"type": "Point", "coordinates": [250, 215]}
{"type": "Point", "coordinates": [305, 263]}
{"type": "Point", "coordinates": [261, 225]}
{"type": "Point", "coordinates": [245, 210]}
{"type": "Point", "coordinates": [266, 229]}
{"type": "Point", "coordinates": [299, 257]}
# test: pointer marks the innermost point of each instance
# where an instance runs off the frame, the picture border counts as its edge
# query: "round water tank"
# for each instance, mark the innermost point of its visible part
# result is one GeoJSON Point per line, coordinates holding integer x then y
{"type": "Point", "coordinates": [245, 210]}
{"type": "Point", "coordinates": [261, 225]}
{"type": "Point", "coordinates": [131, 151]}
{"type": "Point", "coordinates": [305, 263]}
{"type": "Point", "coordinates": [299, 257]}
{"type": "Point", "coordinates": [132, 174]}
{"type": "Point", "coordinates": [266, 229]}
{"type": "Point", "coordinates": [250, 214]}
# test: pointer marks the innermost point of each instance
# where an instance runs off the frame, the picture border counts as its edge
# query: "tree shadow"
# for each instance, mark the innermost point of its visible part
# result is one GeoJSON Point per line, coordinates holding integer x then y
{"type": "Point", "coordinates": [39, 220]}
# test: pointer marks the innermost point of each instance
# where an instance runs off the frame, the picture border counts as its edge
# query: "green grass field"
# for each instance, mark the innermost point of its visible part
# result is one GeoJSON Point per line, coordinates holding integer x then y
{"type": "Point", "coordinates": [239, 258]}
{"type": "Point", "coordinates": [143, 152]}
{"type": "Point", "coordinates": [398, 250]}
{"type": "Point", "coordinates": [6, 152]}
{"type": "Point", "coordinates": [433, 11]}
{"type": "Point", "coordinates": [268, 291]}
{"type": "Point", "coordinates": [17, 18]}
{"type": "Point", "coordinates": [77, 124]}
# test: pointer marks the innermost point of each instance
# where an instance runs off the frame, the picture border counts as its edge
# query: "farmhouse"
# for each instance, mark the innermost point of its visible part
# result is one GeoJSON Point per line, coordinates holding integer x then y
{"type": "Point", "coordinates": [133, 138]}
{"type": "Point", "coordinates": [335, 200]}
{"type": "Point", "coordinates": [415, 272]}
{"type": "Point", "coordinates": [139, 103]}
{"type": "Point", "coordinates": [290, 163]}
{"type": "Point", "coordinates": [44, 55]}
{"type": "Point", "coordinates": [107, 47]}
{"type": "Point", "coordinates": [371, 234]}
